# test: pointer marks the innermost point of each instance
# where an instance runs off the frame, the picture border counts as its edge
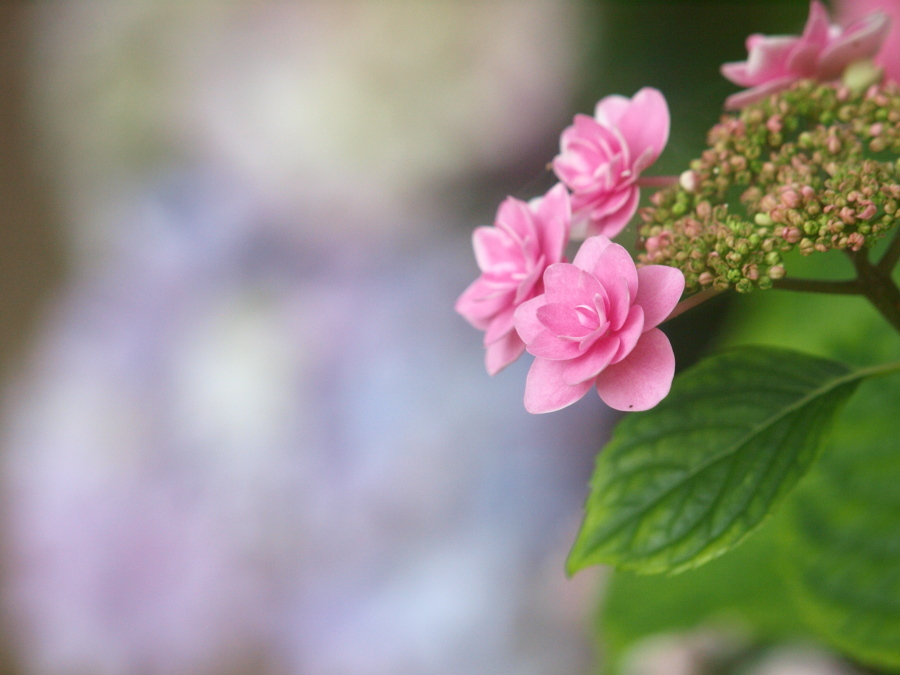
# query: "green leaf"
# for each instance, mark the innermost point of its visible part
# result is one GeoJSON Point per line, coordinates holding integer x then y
{"type": "Point", "coordinates": [743, 589]}
{"type": "Point", "coordinates": [687, 481]}
{"type": "Point", "coordinates": [841, 537]}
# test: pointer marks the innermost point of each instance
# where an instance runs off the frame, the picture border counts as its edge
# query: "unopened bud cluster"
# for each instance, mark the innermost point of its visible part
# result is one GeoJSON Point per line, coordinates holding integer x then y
{"type": "Point", "coordinates": [814, 168]}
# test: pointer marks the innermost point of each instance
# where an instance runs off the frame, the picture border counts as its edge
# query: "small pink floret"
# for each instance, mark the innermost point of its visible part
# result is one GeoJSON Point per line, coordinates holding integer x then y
{"type": "Point", "coordinates": [602, 157]}
{"type": "Point", "coordinates": [595, 326]}
{"type": "Point", "coordinates": [526, 238]}
{"type": "Point", "coordinates": [821, 53]}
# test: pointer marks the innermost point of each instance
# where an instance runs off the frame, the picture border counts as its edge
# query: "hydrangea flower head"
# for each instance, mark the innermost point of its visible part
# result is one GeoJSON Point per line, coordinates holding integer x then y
{"type": "Point", "coordinates": [595, 325]}
{"type": "Point", "coordinates": [526, 238]}
{"type": "Point", "coordinates": [821, 53]}
{"type": "Point", "coordinates": [602, 157]}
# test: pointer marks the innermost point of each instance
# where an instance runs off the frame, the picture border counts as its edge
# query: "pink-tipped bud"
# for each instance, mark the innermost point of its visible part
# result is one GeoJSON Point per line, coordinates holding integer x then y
{"type": "Point", "coordinates": [792, 234]}
{"type": "Point", "coordinates": [867, 212]}
{"type": "Point", "coordinates": [807, 192]}
{"type": "Point", "coordinates": [692, 228]}
{"type": "Point", "coordinates": [750, 272]}
{"type": "Point", "coordinates": [773, 124]}
{"type": "Point", "coordinates": [689, 180]}
{"type": "Point", "coordinates": [833, 144]}
{"type": "Point", "coordinates": [776, 272]}
{"type": "Point", "coordinates": [706, 279]}
{"type": "Point", "coordinates": [847, 215]}
{"type": "Point", "coordinates": [876, 129]}
{"type": "Point", "coordinates": [856, 241]}
{"type": "Point", "coordinates": [790, 199]}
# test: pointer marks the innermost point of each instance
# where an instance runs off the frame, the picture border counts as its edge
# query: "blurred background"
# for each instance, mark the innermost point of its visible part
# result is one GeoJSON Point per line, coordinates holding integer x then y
{"type": "Point", "coordinates": [242, 429]}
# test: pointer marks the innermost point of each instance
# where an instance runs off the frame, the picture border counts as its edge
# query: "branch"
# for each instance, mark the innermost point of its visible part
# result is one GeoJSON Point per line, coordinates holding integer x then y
{"type": "Point", "coordinates": [656, 181]}
{"type": "Point", "coordinates": [692, 302]}
{"type": "Point", "coordinates": [891, 256]}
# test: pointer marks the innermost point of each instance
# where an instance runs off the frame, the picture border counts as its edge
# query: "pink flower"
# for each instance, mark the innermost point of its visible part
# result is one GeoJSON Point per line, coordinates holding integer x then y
{"type": "Point", "coordinates": [889, 56]}
{"type": "Point", "coordinates": [512, 256]}
{"type": "Point", "coordinates": [602, 157]}
{"type": "Point", "coordinates": [821, 53]}
{"type": "Point", "coordinates": [595, 324]}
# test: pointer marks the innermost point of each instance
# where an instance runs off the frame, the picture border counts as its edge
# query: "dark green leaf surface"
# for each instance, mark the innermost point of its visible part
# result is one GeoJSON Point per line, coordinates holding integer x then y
{"type": "Point", "coordinates": [686, 481]}
{"type": "Point", "coordinates": [743, 589]}
{"type": "Point", "coordinates": [841, 551]}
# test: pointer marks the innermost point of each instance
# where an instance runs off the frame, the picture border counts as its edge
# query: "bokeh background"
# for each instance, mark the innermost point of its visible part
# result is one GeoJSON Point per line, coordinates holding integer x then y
{"type": "Point", "coordinates": [242, 430]}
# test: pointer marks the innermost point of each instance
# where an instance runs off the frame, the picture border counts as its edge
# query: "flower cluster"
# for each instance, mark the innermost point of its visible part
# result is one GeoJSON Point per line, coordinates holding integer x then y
{"type": "Point", "coordinates": [592, 322]}
{"type": "Point", "coordinates": [807, 163]}
{"type": "Point", "coordinates": [814, 168]}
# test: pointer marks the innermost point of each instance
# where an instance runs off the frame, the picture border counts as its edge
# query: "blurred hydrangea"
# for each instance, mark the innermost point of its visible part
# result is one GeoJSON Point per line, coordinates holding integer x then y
{"type": "Point", "coordinates": [232, 449]}
{"type": "Point", "coordinates": [348, 106]}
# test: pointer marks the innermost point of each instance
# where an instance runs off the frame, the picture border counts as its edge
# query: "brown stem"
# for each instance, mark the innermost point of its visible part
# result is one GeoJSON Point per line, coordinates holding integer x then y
{"type": "Point", "coordinates": [656, 181]}
{"type": "Point", "coordinates": [877, 286]}
{"type": "Point", "coordinates": [891, 256]}
{"type": "Point", "coordinates": [692, 302]}
{"type": "Point", "coordinates": [853, 287]}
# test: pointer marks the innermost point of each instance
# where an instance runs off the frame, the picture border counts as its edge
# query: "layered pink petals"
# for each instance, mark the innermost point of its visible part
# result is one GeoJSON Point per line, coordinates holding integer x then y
{"type": "Point", "coordinates": [595, 325]}
{"type": "Point", "coordinates": [602, 157]}
{"type": "Point", "coordinates": [889, 56]}
{"type": "Point", "coordinates": [821, 53]}
{"type": "Point", "coordinates": [512, 256]}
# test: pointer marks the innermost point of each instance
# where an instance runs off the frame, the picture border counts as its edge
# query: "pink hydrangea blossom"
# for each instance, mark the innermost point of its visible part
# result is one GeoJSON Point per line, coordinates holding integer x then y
{"type": "Point", "coordinates": [595, 325]}
{"type": "Point", "coordinates": [512, 256]}
{"type": "Point", "coordinates": [821, 53]}
{"type": "Point", "coordinates": [889, 56]}
{"type": "Point", "coordinates": [602, 157]}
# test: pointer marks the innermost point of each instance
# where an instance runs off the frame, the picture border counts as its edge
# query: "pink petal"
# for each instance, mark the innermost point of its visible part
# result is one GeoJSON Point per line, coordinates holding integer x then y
{"type": "Point", "coordinates": [645, 124]}
{"type": "Point", "coordinates": [643, 378]}
{"type": "Point", "coordinates": [803, 60]}
{"type": "Point", "coordinates": [659, 290]}
{"type": "Point", "coordinates": [526, 286]}
{"type": "Point", "coordinates": [525, 319]}
{"type": "Point", "coordinates": [748, 96]}
{"type": "Point", "coordinates": [612, 264]}
{"type": "Point", "coordinates": [548, 346]}
{"type": "Point", "coordinates": [817, 25]}
{"type": "Point", "coordinates": [554, 218]}
{"type": "Point", "coordinates": [481, 301]}
{"type": "Point", "coordinates": [500, 325]}
{"type": "Point", "coordinates": [587, 366]}
{"type": "Point", "coordinates": [619, 303]}
{"type": "Point", "coordinates": [561, 318]}
{"type": "Point", "coordinates": [565, 282]}
{"type": "Point", "coordinates": [545, 389]}
{"type": "Point", "coordinates": [600, 204]}
{"type": "Point", "coordinates": [514, 217]}
{"type": "Point", "coordinates": [861, 41]}
{"type": "Point", "coordinates": [610, 225]}
{"type": "Point", "coordinates": [610, 109]}
{"type": "Point", "coordinates": [630, 333]}
{"type": "Point", "coordinates": [492, 247]}
{"type": "Point", "coordinates": [736, 71]}
{"type": "Point", "coordinates": [503, 352]}
{"type": "Point", "coordinates": [589, 252]}
{"type": "Point", "coordinates": [767, 60]}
